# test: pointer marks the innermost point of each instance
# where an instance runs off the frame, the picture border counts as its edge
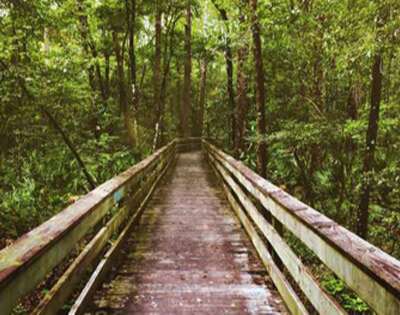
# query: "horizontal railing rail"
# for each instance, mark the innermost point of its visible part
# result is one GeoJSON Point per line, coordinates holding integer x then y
{"type": "Point", "coordinates": [188, 144]}
{"type": "Point", "coordinates": [265, 211]}
{"type": "Point", "coordinates": [28, 261]}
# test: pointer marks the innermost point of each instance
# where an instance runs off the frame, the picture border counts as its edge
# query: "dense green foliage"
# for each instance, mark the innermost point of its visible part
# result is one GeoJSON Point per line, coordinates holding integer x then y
{"type": "Point", "coordinates": [64, 57]}
{"type": "Point", "coordinates": [317, 55]}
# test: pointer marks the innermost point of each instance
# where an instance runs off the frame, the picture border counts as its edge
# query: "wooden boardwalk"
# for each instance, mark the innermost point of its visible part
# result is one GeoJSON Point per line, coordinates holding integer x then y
{"type": "Point", "coordinates": [188, 255]}
{"type": "Point", "coordinates": [181, 249]}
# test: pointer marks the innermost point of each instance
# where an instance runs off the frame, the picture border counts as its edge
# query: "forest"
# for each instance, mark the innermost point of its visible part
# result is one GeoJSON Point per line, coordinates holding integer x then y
{"type": "Point", "coordinates": [305, 92]}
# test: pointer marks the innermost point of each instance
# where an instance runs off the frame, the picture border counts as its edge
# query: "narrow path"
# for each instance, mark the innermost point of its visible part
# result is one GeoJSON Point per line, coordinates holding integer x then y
{"type": "Point", "coordinates": [189, 255]}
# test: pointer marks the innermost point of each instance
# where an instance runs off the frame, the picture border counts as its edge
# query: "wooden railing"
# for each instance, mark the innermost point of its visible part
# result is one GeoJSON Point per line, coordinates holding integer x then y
{"type": "Point", "coordinates": [267, 213]}
{"type": "Point", "coordinates": [188, 144]}
{"type": "Point", "coordinates": [108, 211]}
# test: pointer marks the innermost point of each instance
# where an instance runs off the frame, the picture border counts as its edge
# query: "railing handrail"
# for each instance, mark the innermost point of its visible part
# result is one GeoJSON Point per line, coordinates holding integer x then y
{"type": "Point", "coordinates": [18, 257]}
{"type": "Point", "coordinates": [367, 258]}
{"type": "Point", "coordinates": [369, 271]}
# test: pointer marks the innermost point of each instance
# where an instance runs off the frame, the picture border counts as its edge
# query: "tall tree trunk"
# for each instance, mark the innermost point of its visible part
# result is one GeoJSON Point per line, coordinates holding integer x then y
{"type": "Point", "coordinates": [94, 71]}
{"type": "Point", "coordinates": [178, 98]}
{"type": "Point", "coordinates": [84, 29]}
{"type": "Point", "coordinates": [131, 13]}
{"type": "Point", "coordinates": [96, 82]}
{"type": "Point", "coordinates": [202, 94]}
{"type": "Point", "coordinates": [353, 101]}
{"type": "Point", "coordinates": [318, 70]}
{"type": "Point", "coordinates": [369, 157]}
{"type": "Point", "coordinates": [107, 74]}
{"type": "Point", "coordinates": [123, 100]}
{"type": "Point", "coordinates": [231, 95]}
{"type": "Point", "coordinates": [157, 75]}
{"type": "Point", "coordinates": [134, 93]}
{"type": "Point", "coordinates": [187, 84]}
{"type": "Point", "coordinates": [168, 52]}
{"type": "Point", "coordinates": [242, 104]}
{"type": "Point", "coordinates": [260, 91]}
{"type": "Point", "coordinates": [229, 72]}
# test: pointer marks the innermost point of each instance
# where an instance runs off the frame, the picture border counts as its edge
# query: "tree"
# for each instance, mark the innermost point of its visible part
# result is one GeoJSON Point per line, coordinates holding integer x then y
{"type": "Point", "coordinates": [123, 101]}
{"type": "Point", "coordinates": [202, 94]}
{"type": "Point", "coordinates": [157, 75]}
{"type": "Point", "coordinates": [130, 6]}
{"type": "Point", "coordinates": [260, 90]}
{"type": "Point", "coordinates": [373, 125]}
{"type": "Point", "coordinates": [229, 69]}
{"type": "Point", "coordinates": [186, 104]}
{"type": "Point", "coordinates": [242, 103]}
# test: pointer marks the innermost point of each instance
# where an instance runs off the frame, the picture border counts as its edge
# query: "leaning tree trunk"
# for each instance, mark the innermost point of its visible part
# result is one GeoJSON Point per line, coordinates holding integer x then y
{"type": "Point", "coordinates": [187, 82]}
{"type": "Point", "coordinates": [70, 145]}
{"type": "Point", "coordinates": [369, 157]}
{"type": "Point", "coordinates": [260, 91]}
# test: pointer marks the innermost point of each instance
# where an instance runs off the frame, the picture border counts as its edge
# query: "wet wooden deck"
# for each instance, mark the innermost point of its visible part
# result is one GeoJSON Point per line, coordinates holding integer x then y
{"type": "Point", "coordinates": [189, 255]}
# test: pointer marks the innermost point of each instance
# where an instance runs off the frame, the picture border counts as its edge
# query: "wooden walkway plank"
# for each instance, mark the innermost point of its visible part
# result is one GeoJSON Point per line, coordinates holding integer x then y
{"type": "Point", "coordinates": [189, 255]}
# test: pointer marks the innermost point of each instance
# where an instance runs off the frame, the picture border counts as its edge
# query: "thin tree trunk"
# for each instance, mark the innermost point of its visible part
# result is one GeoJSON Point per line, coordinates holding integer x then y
{"type": "Point", "coordinates": [318, 71]}
{"type": "Point", "coordinates": [369, 157]}
{"type": "Point", "coordinates": [260, 91]}
{"type": "Point", "coordinates": [95, 77]}
{"type": "Point", "coordinates": [229, 73]}
{"type": "Point", "coordinates": [134, 89]}
{"type": "Point", "coordinates": [178, 99]}
{"type": "Point", "coordinates": [242, 104]}
{"type": "Point", "coordinates": [187, 84]}
{"type": "Point", "coordinates": [157, 75]}
{"type": "Point", "coordinates": [202, 94]}
{"type": "Point", "coordinates": [107, 74]}
{"type": "Point", "coordinates": [84, 29]}
{"type": "Point", "coordinates": [123, 101]}
{"type": "Point", "coordinates": [231, 95]}
{"type": "Point", "coordinates": [168, 52]}
{"type": "Point", "coordinates": [131, 13]}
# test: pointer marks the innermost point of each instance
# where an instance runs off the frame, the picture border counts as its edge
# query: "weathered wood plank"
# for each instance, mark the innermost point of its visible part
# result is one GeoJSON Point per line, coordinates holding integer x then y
{"type": "Point", "coordinates": [289, 296]}
{"type": "Point", "coordinates": [322, 302]}
{"type": "Point", "coordinates": [60, 292]}
{"type": "Point", "coordinates": [373, 274]}
{"type": "Point", "coordinates": [36, 253]}
{"type": "Point", "coordinates": [105, 264]}
{"type": "Point", "coordinates": [188, 255]}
